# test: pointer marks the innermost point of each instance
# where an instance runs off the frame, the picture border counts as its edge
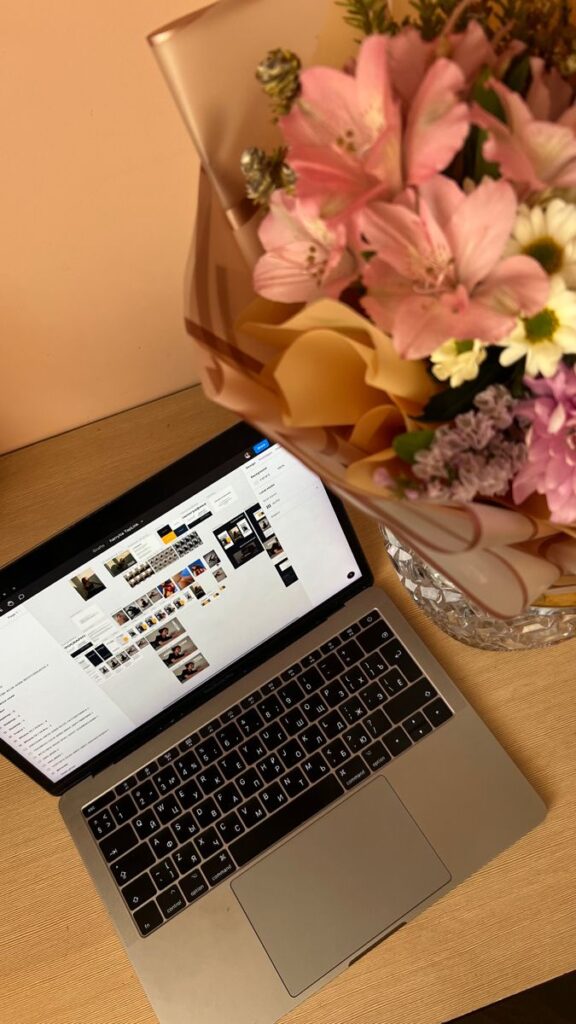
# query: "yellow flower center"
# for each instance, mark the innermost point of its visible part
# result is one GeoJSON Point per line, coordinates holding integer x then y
{"type": "Point", "coordinates": [541, 327]}
{"type": "Point", "coordinates": [463, 346]}
{"type": "Point", "coordinates": [547, 253]}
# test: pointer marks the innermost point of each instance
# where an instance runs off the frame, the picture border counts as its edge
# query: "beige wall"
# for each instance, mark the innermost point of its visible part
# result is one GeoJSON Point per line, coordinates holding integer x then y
{"type": "Point", "coordinates": [97, 194]}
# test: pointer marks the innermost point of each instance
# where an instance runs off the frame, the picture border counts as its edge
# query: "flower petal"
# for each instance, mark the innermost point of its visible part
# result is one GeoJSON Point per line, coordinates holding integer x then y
{"type": "Point", "coordinates": [326, 109]}
{"type": "Point", "coordinates": [437, 123]}
{"type": "Point", "coordinates": [409, 59]}
{"type": "Point", "coordinates": [480, 228]}
{"type": "Point", "coordinates": [518, 286]}
{"type": "Point", "coordinates": [423, 324]}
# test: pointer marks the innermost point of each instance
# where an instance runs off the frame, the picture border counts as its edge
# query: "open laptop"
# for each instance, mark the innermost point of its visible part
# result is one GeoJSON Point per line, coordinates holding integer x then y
{"type": "Point", "coordinates": [264, 769]}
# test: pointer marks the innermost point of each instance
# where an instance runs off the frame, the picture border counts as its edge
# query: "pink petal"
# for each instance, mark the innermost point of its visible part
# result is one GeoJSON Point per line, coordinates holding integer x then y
{"type": "Point", "coordinates": [376, 101]}
{"type": "Point", "coordinates": [409, 59]}
{"type": "Point", "coordinates": [330, 178]}
{"type": "Point", "coordinates": [552, 151]}
{"type": "Point", "coordinates": [423, 324]}
{"type": "Point", "coordinates": [548, 95]}
{"type": "Point", "coordinates": [480, 229]}
{"type": "Point", "coordinates": [403, 239]}
{"type": "Point", "coordinates": [518, 286]}
{"type": "Point", "coordinates": [326, 109]}
{"type": "Point", "coordinates": [505, 149]}
{"type": "Point", "coordinates": [443, 198]}
{"type": "Point", "coordinates": [471, 50]}
{"type": "Point", "coordinates": [282, 276]}
{"type": "Point", "coordinates": [386, 293]}
{"type": "Point", "coordinates": [437, 123]}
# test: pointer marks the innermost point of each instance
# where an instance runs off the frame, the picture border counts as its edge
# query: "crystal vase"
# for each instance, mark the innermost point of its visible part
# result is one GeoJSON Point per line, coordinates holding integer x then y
{"type": "Point", "coordinates": [456, 615]}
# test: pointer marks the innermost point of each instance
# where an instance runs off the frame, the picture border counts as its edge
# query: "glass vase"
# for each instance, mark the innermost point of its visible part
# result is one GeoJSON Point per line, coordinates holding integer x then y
{"type": "Point", "coordinates": [456, 615]}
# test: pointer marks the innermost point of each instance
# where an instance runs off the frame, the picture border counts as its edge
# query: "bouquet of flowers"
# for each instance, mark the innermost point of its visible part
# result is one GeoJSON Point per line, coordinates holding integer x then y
{"type": "Point", "coordinates": [413, 332]}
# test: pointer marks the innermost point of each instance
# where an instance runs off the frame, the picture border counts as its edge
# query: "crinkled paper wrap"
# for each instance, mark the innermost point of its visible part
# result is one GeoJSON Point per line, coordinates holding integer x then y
{"type": "Point", "coordinates": [266, 363]}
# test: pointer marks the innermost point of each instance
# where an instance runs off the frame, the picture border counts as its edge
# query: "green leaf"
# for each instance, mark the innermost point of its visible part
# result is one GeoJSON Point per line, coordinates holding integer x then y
{"type": "Point", "coordinates": [453, 401]}
{"type": "Point", "coordinates": [486, 97]}
{"type": "Point", "coordinates": [519, 74]}
{"type": "Point", "coordinates": [409, 444]}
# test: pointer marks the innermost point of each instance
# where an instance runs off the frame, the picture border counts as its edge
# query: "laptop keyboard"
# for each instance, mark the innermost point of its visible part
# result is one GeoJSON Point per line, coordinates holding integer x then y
{"type": "Point", "coordinates": [201, 810]}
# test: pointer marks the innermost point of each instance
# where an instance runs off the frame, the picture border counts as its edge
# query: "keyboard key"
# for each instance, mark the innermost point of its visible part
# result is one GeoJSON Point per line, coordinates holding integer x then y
{"type": "Point", "coordinates": [311, 680]}
{"type": "Point", "coordinates": [148, 918]}
{"type": "Point", "coordinates": [374, 665]}
{"type": "Point", "coordinates": [273, 797]}
{"type": "Point", "coordinates": [171, 901]}
{"type": "Point", "coordinates": [270, 768]}
{"type": "Point", "coordinates": [208, 842]}
{"type": "Point", "coordinates": [294, 782]}
{"type": "Point", "coordinates": [168, 809]}
{"type": "Point", "coordinates": [185, 827]}
{"type": "Point", "coordinates": [352, 773]}
{"type": "Point", "coordinates": [147, 771]}
{"type": "Point", "coordinates": [206, 812]}
{"type": "Point", "coordinates": [331, 645]}
{"type": "Point", "coordinates": [228, 798]}
{"type": "Point", "coordinates": [98, 805]}
{"type": "Point", "coordinates": [139, 892]}
{"type": "Point", "coordinates": [145, 824]}
{"type": "Point", "coordinates": [293, 721]}
{"type": "Point", "coordinates": [123, 840]}
{"type": "Point", "coordinates": [163, 843]}
{"type": "Point", "coordinates": [417, 726]}
{"type": "Point", "coordinates": [273, 735]}
{"type": "Point", "coordinates": [209, 750]}
{"type": "Point", "coordinates": [371, 617]}
{"type": "Point", "coordinates": [377, 723]}
{"type": "Point", "coordinates": [333, 724]}
{"type": "Point", "coordinates": [189, 742]}
{"type": "Point", "coordinates": [250, 700]}
{"type": "Point", "coordinates": [270, 708]}
{"type": "Point", "coordinates": [193, 886]}
{"type": "Point", "coordinates": [252, 750]}
{"type": "Point", "coordinates": [376, 756]}
{"type": "Point", "coordinates": [396, 741]}
{"type": "Point", "coordinates": [187, 765]}
{"type": "Point", "coordinates": [334, 693]}
{"type": "Point", "coordinates": [230, 827]}
{"type": "Point", "coordinates": [231, 713]}
{"type": "Point", "coordinates": [126, 785]}
{"type": "Point", "coordinates": [123, 809]}
{"type": "Point", "coordinates": [312, 738]}
{"type": "Point", "coordinates": [410, 700]}
{"type": "Point", "coordinates": [357, 738]}
{"type": "Point", "coordinates": [250, 722]}
{"type": "Point", "coordinates": [230, 736]}
{"type": "Point", "coordinates": [251, 812]}
{"type": "Point", "coordinates": [210, 728]}
{"type": "Point", "coordinates": [374, 636]}
{"type": "Point", "coordinates": [314, 707]}
{"type": "Point", "coordinates": [373, 696]}
{"type": "Point", "coordinates": [271, 686]}
{"type": "Point", "coordinates": [132, 864]}
{"type": "Point", "coordinates": [291, 694]}
{"type": "Point", "coordinates": [285, 820]}
{"type": "Point", "coordinates": [218, 868]}
{"type": "Point", "coordinates": [144, 795]}
{"type": "Point", "coordinates": [291, 753]}
{"type": "Point", "coordinates": [290, 673]}
{"type": "Point", "coordinates": [210, 779]}
{"type": "Point", "coordinates": [101, 824]}
{"type": "Point", "coordinates": [397, 656]}
{"type": "Point", "coordinates": [249, 782]}
{"type": "Point", "coordinates": [163, 873]}
{"type": "Point", "coordinates": [315, 768]}
{"type": "Point", "coordinates": [438, 712]}
{"type": "Point", "coordinates": [168, 756]}
{"type": "Point", "coordinates": [166, 780]}
{"type": "Point", "coordinates": [351, 631]}
{"type": "Point", "coordinates": [231, 765]}
{"type": "Point", "coordinates": [350, 653]}
{"type": "Point", "coordinates": [330, 667]}
{"type": "Point", "coordinates": [354, 679]}
{"type": "Point", "coordinates": [352, 710]}
{"type": "Point", "coordinates": [310, 659]}
{"type": "Point", "coordinates": [336, 752]}
{"type": "Point", "coordinates": [189, 794]}
{"type": "Point", "coordinates": [393, 682]}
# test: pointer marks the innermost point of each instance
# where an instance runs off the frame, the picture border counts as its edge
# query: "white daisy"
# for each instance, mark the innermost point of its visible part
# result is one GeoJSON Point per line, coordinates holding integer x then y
{"type": "Point", "coordinates": [545, 337]}
{"type": "Point", "coordinates": [458, 361]}
{"type": "Point", "coordinates": [548, 235]}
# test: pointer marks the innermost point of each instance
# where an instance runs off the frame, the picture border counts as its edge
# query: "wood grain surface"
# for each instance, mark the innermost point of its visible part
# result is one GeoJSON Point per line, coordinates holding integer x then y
{"type": "Point", "coordinates": [510, 926]}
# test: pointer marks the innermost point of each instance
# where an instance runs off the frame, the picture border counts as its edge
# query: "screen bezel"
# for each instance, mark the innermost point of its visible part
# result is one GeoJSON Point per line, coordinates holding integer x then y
{"type": "Point", "coordinates": [63, 546]}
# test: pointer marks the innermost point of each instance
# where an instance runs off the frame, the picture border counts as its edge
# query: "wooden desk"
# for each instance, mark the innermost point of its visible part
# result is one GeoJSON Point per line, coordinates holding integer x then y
{"type": "Point", "coordinates": [511, 926]}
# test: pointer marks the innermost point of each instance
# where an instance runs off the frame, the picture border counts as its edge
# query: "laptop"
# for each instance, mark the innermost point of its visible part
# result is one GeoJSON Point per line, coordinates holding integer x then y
{"type": "Point", "coordinates": [262, 766]}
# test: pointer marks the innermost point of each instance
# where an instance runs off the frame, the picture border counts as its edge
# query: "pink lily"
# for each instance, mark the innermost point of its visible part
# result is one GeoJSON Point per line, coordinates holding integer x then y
{"type": "Point", "coordinates": [410, 56]}
{"type": "Point", "coordinates": [438, 272]}
{"type": "Point", "coordinates": [305, 258]}
{"type": "Point", "coordinates": [532, 151]}
{"type": "Point", "coordinates": [349, 141]}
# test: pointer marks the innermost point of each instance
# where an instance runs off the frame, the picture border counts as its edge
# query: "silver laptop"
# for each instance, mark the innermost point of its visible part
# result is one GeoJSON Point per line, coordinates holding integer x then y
{"type": "Point", "coordinates": [264, 769]}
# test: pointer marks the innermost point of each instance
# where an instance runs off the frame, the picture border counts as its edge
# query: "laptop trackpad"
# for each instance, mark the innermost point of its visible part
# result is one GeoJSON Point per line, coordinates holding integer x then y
{"type": "Point", "coordinates": [339, 884]}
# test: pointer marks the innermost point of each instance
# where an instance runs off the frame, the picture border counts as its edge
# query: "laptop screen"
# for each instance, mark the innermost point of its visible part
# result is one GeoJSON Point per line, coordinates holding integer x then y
{"type": "Point", "coordinates": [112, 637]}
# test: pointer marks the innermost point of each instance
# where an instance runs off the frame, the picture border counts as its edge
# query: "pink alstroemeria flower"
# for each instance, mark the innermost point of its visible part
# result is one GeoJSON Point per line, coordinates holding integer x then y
{"type": "Point", "coordinates": [438, 272]}
{"type": "Point", "coordinates": [305, 258]}
{"type": "Point", "coordinates": [533, 150]}
{"type": "Point", "coordinates": [349, 141]}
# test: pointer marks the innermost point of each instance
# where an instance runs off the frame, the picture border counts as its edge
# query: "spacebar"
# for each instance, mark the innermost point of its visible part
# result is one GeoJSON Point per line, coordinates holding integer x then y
{"type": "Point", "coordinates": [290, 817]}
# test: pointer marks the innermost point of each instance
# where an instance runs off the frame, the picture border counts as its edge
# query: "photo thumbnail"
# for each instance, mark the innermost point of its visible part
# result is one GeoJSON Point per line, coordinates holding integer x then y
{"type": "Point", "coordinates": [120, 563]}
{"type": "Point", "coordinates": [87, 584]}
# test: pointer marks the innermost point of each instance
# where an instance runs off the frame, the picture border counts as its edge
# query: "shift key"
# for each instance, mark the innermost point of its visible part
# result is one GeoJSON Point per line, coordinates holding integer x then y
{"type": "Point", "coordinates": [410, 700]}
